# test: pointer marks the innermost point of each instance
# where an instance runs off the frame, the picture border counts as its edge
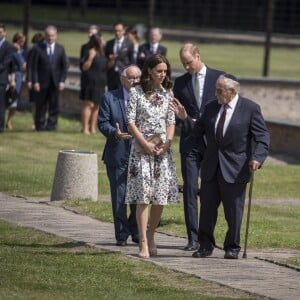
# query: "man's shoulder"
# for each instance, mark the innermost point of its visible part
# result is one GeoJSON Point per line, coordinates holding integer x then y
{"type": "Point", "coordinates": [182, 79]}
{"type": "Point", "coordinates": [110, 42]}
{"type": "Point", "coordinates": [214, 71]}
{"type": "Point", "coordinates": [248, 102]}
{"type": "Point", "coordinates": [8, 46]}
{"type": "Point", "coordinates": [113, 94]}
{"type": "Point", "coordinates": [144, 46]}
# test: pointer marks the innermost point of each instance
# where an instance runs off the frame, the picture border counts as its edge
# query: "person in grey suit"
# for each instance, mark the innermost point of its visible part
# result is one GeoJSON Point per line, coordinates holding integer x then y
{"type": "Point", "coordinates": [6, 68]}
{"type": "Point", "coordinates": [193, 98]}
{"type": "Point", "coordinates": [112, 124]}
{"type": "Point", "coordinates": [50, 65]}
{"type": "Point", "coordinates": [237, 144]}
{"type": "Point", "coordinates": [119, 52]}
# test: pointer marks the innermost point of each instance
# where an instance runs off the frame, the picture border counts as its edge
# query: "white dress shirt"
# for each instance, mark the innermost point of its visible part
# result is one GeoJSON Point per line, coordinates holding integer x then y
{"type": "Point", "coordinates": [230, 110]}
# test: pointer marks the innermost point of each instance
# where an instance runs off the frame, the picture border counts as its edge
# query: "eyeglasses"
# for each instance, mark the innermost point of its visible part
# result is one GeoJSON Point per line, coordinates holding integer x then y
{"type": "Point", "coordinates": [220, 90]}
{"type": "Point", "coordinates": [132, 77]}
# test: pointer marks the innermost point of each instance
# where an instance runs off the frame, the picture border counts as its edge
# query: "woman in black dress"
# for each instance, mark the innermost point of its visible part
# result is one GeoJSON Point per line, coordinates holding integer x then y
{"type": "Point", "coordinates": [94, 69]}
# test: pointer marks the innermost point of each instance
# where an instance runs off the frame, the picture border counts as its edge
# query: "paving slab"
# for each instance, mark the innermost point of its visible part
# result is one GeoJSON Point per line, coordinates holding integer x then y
{"type": "Point", "coordinates": [254, 274]}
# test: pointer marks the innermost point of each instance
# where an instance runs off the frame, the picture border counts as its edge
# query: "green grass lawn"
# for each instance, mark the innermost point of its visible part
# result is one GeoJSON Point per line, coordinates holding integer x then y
{"type": "Point", "coordinates": [27, 167]}
{"type": "Point", "coordinates": [36, 265]}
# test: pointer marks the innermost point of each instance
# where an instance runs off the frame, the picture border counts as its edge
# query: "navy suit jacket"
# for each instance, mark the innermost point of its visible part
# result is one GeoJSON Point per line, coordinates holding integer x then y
{"type": "Point", "coordinates": [6, 61]}
{"type": "Point", "coordinates": [184, 92]}
{"type": "Point", "coordinates": [246, 139]}
{"type": "Point", "coordinates": [112, 110]}
{"type": "Point", "coordinates": [144, 53]}
{"type": "Point", "coordinates": [45, 72]}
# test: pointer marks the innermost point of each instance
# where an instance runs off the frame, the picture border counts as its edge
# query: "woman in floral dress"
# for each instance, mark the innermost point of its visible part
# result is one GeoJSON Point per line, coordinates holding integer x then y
{"type": "Point", "coordinates": [151, 171]}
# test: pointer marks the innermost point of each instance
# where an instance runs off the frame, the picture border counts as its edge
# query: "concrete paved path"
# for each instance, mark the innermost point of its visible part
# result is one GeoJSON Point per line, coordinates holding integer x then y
{"type": "Point", "coordinates": [253, 275]}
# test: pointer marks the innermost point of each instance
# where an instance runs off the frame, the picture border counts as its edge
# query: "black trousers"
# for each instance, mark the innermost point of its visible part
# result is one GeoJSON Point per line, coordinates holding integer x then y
{"type": "Point", "coordinates": [190, 168]}
{"type": "Point", "coordinates": [232, 196]}
{"type": "Point", "coordinates": [47, 101]}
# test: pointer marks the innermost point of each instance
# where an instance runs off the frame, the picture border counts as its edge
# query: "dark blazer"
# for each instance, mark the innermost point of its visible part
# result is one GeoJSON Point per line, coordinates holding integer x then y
{"type": "Point", "coordinates": [125, 54]}
{"type": "Point", "coordinates": [246, 139]}
{"type": "Point", "coordinates": [45, 72]}
{"type": "Point", "coordinates": [29, 63]}
{"type": "Point", "coordinates": [183, 91]}
{"type": "Point", "coordinates": [6, 61]}
{"type": "Point", "coordinates": [144, 53]}
{"type": "Point", "coordinates": [112, 110]}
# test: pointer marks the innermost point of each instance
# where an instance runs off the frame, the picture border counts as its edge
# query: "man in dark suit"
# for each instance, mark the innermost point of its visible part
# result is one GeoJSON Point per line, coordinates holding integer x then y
{"type": "Point", "coordinates": [237, 144]}
{"type": "Point", "coordinates": [6, 69]}
{"type": "Point", "coordinates": [151, 47]}
{"type": "Point", "coordinates": [194, 90]}
{"type": "Point", "coordinates": [112, 123]}
{"type": "Point", "coordinates": [119, 52]}
{"type": "Point", "coordinates": [50, 65]}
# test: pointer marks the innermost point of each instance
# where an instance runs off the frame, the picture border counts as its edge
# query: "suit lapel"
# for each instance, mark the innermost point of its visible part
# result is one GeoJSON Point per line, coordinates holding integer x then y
{"type": "Point", "coordinates": [120, 99]}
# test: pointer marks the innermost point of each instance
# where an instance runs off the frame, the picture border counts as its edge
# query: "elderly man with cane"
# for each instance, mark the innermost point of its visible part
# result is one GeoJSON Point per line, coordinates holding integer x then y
{"type": "Point", "coordinates": [237, 144]}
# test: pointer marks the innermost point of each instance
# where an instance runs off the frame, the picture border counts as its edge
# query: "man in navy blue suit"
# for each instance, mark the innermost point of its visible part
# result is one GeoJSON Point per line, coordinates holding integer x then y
{"type": "Point", "coordinates": [112, 124]}
{"type": "Point", "coordinates": [237, 144]}
{"type": "Point", "coordinates": [194, 90]}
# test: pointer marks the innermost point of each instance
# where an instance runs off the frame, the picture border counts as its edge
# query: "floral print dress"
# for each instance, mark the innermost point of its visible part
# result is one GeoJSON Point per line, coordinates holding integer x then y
{"type": "Point", "coordinates": [151, 178]}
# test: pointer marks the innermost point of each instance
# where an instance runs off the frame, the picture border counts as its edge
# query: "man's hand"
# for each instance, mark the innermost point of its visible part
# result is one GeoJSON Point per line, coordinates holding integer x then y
{"type": "Point", "coordinates": [61, 86]}
{"type": "Point", "coordinates": [36, 87]}
{"type": "Point", "coordinates": [254, 165]}
{"type": "Point", "coordinates": [121, 135]}
{"type": "Point", "coordinates": [178, 109]}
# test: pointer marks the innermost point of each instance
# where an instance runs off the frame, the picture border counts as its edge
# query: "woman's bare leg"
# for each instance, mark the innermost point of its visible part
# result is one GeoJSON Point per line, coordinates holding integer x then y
{"type": "Point", "coordinates": [155, 215]}
{"type": "Point", "coordinates": [142, 221]}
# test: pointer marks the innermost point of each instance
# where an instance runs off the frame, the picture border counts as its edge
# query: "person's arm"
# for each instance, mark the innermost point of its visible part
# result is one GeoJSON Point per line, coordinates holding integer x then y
{"type": "Point", "coordinates": [261, 138]}
{"type": "Point", "coordinates": [88, 63]}
{"type": "Point", "coordinates": [148, 147]}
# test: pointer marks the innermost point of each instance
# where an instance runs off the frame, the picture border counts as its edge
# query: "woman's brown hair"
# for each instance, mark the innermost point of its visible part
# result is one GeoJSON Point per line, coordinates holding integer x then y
{"type": "Point", "coordinates": [151, 63]}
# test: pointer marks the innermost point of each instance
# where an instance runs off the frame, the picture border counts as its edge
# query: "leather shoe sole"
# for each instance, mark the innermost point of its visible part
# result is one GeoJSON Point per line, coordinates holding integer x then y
{"type": "Point", "coordinates": [231, 255]}
{"type": "Point", "coordinates": [202, 253]}
{"type": "Point", "coordinates": [121, 243]}
{"type": "Point", "coordinates": [191, 246]}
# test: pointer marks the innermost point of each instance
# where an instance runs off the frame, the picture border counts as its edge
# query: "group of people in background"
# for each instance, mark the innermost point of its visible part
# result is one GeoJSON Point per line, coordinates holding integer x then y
{"type": "Point", "coordinates": [101, 69]}
{"type": "Point", "coordinates": [128, 93]}
{"type": "Point", "coordinates": [45, 66]}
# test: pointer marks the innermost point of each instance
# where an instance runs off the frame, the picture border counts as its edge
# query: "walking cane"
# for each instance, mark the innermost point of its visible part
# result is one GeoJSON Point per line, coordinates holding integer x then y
{"type": "Point", "coordinates": [248, 214]}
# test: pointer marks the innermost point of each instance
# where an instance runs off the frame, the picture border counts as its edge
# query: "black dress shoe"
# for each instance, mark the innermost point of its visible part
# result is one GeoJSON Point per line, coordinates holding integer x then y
{"type": "Point", "coordinates": [230, 254]}
{"type": "Point", "coordinates": [191, 246]}
{"type": "Point", "coordinates": [135, 239]}
{"type": "Point", "coordinates": [121, 243]}
{"type": "Point", "coordinates": [202, 253]}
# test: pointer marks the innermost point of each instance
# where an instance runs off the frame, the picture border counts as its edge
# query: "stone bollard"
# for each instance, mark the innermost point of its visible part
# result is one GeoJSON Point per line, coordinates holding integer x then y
{"type": "Point", "coordinates": [76, 176]}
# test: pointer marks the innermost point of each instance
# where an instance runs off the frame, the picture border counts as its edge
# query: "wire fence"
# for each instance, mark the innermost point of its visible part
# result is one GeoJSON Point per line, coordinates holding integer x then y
{"type": "Point", "coordinates": [241, 15]}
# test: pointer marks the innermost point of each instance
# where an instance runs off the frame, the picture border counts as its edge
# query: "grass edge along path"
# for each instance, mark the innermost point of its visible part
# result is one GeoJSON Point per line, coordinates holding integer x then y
{"type": "Point", "coordinates": [39, 265]}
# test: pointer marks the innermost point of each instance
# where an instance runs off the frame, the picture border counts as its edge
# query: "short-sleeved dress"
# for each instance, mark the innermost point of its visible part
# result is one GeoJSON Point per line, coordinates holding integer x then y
{"type": "Point", "coordinates": [151, 178]}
